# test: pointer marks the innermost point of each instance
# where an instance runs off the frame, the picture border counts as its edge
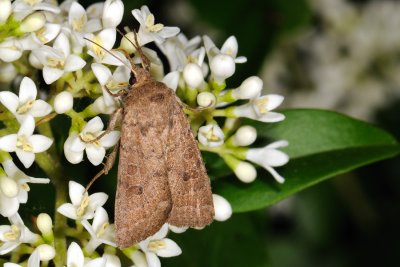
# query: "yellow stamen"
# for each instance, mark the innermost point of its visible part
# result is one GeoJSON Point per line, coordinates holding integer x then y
{"type": "Point", "coordinates": [25, 107]}
{"type": "Point", "coordinates": [25, 187]}
{"type": "Point", "coordinates": [102, 230]}
{"type": "Point", "coordinates": [78, 23]}
{"type": "Point", "coordinates": [22, 143]}
{"type": "Point", "coordinates": [82, 208]}
{"type": "Point", "coordinates": [31, 2]}
{"type": "Point", "coordinates": [14, 234]}
{"type": "Point", "coordinates": [89, 137]}
{"type": "Point", "coordinates": [150, 26]}
{"type": "Point", "coordinates": [55, 63]}
{"type": "Point", "coordinates": [262, 105]}
{"type": "Point", "coordinates": [156, 245]}
{"type": "Point", "coordinates": [211, 136]}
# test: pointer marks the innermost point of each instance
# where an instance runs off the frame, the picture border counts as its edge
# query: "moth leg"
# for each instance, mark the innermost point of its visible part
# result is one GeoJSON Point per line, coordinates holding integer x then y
{"type": "Point", "coordinates": [117, 94]}
{"type": "Point", "coordinates": [107, 166]}
{"type": "Point", "coordinates": [46, 118]}
{"type": "Point", "coordinates": [115, 119]}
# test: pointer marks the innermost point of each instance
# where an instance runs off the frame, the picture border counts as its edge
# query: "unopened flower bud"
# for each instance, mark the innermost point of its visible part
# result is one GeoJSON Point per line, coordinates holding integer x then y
{"type": "Point", "coordinates": [250, 88]}
{"type": "Point", "coordinates": [7, 73]}
{"type": "Point", "coordinates": [33, 22]}
{"type": "Point", "coordinates": [222, 67]}
{"type": "Point", "coordinates": [245, 171]}
{"type": "Point", "coordinates": [244, 136]}
{"type": "Point", "coordinates": [112, 13]}
{"type": "Point", "coordinates": [8, 186]}
{"type": "Point", "coordinates": [126, 43]}
{"type": "Point", "coordinates": [5, 10]}
{"type": "Point", "coordinates": [44, 223]}
{"type": "Point", "coordinates": [46, 252]}
{"type": "Point", "coordinates": [223, 210]}
{"type": "Point", "coordinates": [206, 99]}
{"type": "Point", "coordinates": [63, 102]}
{"type": "Point", "coordinates": [34, 61]}
{"type": "Point", "coordinates": [193, 75]}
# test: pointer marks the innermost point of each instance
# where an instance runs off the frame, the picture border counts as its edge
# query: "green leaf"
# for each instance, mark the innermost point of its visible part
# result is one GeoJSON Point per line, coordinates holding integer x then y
{"type": "Point", "coordinates": [322, 144]}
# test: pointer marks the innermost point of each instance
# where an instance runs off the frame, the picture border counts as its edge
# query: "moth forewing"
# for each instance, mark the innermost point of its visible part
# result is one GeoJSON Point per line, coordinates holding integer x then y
{"type": "Point", "coordinates": [143, 199]}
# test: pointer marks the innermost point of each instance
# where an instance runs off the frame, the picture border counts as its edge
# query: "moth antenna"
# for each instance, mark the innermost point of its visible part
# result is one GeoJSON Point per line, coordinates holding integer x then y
{"type": "Point", "coordinates": [123, 62]}
{"type": "Point", "coordinates": [145, 60]}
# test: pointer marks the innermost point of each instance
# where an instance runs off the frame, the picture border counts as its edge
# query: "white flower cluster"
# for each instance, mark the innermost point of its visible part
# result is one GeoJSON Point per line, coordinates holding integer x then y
{"type": "Point", "coordinates": [75, 51]}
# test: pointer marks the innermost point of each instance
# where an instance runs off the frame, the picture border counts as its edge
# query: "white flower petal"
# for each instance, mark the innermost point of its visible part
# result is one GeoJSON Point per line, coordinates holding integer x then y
{"type": "Point", "coordinates": [34, 259]}
{"type": "Point", "coordinates": [27, 126]}
{"type": "Point", "coordinates": [102, 73]}
{"type": "Point", "coordinates": [76, 144]}
{"type": "Point", "coordinates": [100, 217]}
{"type": "Point", "coordinates": [8, 206]}
{"type": "Point", "coordinates": [171, 80]}
{"type": "Point", "coordinates": [50, 75]}
{"type": "Point", "coordinates": [68, 210]}
{"type": "Point", "coordinates": [7, 247]}
{"type": "Point", "coordinates": [95, 154]}
{"type": "Point", "coordinates": [27, 90]}
{"type": "Point", "coordinates": [271, 117]}
{"type": "Point", "coordinates": [73, 157]}
{"type": "Point", "coordinates": [8, 143]}
{"type": "Point", "coordinates": [99, 262]}
{"type": "Point", "coordinates": [40, 143]}
{"type": "Point", "coordinates": [75, 256]}
{"type": "Point", "coordinates": [171, 249]}
{"type": "Point", "coordinates": [74, 63]}
{"type": "Point", "coordinates": [9, 100]}
{"type": "Point", "coordinates": [152, 260]}
{"type": "Point", "coordinates": [76, 192]}
{"type": "Point", "coordinates": [88, 227]}
{"type": "Point", "coordinates": [40, 108]}
{"type": "Point", "coordinates": [76, 13]}
{"type": "Point", "coordinates": [276, 175]}
{"type": "Point", "coordinates": [27, 158]}
{"type": "Point", "coordinates": [97, 200]}
{"type": "Point", "coordinates": [110, 139]}
{"type": "Point", "coordinates": [62, 44]}
{"type": "Point", "coordinates": [230, 47]}
{"type": "Point", "coordinates": [161, 233]}
{"type": "Point", "coordinates": [93, 126]}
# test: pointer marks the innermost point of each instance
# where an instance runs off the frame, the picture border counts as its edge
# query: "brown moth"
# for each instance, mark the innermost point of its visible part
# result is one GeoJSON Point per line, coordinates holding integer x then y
{"type": "Point", "coordinates": [161, 174]}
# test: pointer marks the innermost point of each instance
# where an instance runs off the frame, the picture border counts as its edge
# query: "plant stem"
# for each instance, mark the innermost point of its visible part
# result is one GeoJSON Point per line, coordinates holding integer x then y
{"type": "Point", "coordinates": [49, 162]}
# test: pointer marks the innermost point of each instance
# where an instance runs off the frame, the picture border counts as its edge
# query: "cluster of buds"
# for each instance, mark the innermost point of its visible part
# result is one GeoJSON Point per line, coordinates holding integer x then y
{"type": "Point", "coordinates": [42, 37]}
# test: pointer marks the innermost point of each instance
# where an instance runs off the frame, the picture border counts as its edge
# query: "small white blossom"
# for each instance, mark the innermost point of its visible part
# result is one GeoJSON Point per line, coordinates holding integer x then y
{"type": "Point", "coordinates": [211, 135]}
{"type": "Point", "coordinates": [14, 188]}
{"type": "Point", "coordinates": [11, 236]}
{"type": "Point", "coordinates": [158, 246]}
{"type": "Point", "coordinates": [112, 13]}
{"type": "Point", "coordinates": [24, 143]}
{"type": "Point", "coordinates": [25, 104]}
{"type": "Point", "coordinates": [181, 51]}
{"type": "Point", "coordinates": [222, 67]}
{"type": "Point", "coordinates": [58, 59]}
{"type": "Point", "coordinates": [260, 109]}
{"type": "Point", "coordinates": [101, 45]}
{"type": "Point", "coordinates": [75, 258]}
{"type": "Point", "coordinates": [99, 106]}
{"type": "Point", "coordinates": [79, 25]}
{"type": "Point", "coordinates": [83, 205]}
{"type": "Point", "coordinates": [229, 48]}
{"type": "Point", "coordinates": [149, 31]}
{"type": "Point", "coordinates": [96, 150]}
{"type": "Point", "coordinates": [223, 210]}
{"type": "Point", "coordinates": [10, 50]}
{"type": "Point", "coordinates": [176, 229]}
{"type": "Point", "coordinates": [114, 82]}
{"type": "Point", "coordinates": [46, 252]}
{"type": "Point", "coordinates": [27, 7]}
{"type": "Point", "coordinates": [47, 33]}
{"type": "Point", "coordinates": [171, 80]}
{"type": "Point", "coordinates": [33, 22]}
{"type": "Point", "coordinates": [33, 261]}
{"type": "Point", "coordinates": [63, 102]}
{"type": "Point", "coordinates": [269, 157]}
{"type": "Point", "coordinates": [101, 231]}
